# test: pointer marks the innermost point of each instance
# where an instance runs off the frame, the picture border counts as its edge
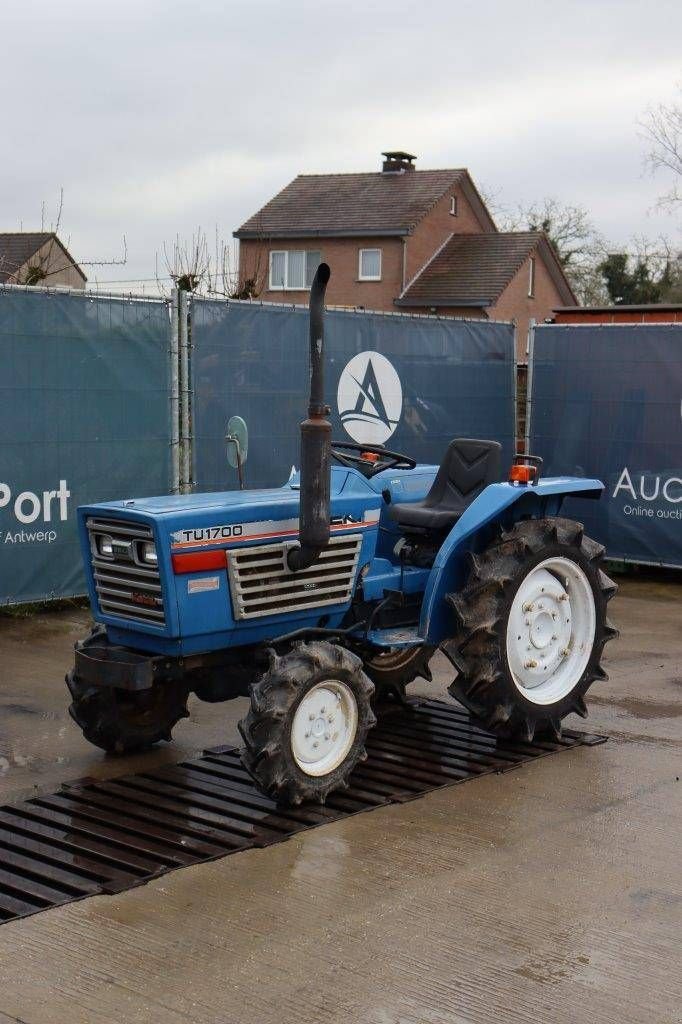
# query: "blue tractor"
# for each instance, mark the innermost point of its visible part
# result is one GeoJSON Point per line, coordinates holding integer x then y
{"type": "Point", "coordinates": [322, 599]}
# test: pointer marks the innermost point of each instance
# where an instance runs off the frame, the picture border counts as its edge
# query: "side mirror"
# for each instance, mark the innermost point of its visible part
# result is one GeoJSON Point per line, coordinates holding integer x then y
{"type": "Point", "coordinates": [237, 439]}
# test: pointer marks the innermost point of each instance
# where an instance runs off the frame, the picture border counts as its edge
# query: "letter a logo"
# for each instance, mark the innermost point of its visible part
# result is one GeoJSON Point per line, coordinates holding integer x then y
{"type": "Point", "coordinates": [370, 398]}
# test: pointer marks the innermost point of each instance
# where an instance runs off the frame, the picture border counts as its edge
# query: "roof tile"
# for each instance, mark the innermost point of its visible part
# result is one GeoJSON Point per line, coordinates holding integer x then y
{"type": "Point", "coordinates": [471, 269]}
{"type": "Point", "coordinates": [324, 204]}
{"type": "Point", "coordinates": [16, 247]}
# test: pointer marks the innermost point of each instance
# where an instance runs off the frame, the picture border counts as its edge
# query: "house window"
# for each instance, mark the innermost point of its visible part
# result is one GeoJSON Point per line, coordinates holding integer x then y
{"type": "Point", "coordinates": [293, 269]}
{"type": "Point", "coordinates": [453, 206]}
{"type": "Point", "coordinates": [531, 277]}
{"type": "Point", "coordinates": [369, 266]}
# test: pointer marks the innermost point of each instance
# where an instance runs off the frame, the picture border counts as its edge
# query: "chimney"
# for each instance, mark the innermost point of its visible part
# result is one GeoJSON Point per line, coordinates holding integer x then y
{"type": "Point", "coordinates": [397, 162]}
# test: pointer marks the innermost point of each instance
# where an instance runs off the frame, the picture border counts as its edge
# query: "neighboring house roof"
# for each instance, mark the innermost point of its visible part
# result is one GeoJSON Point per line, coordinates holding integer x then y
{"type": "Point", "coordinates": [322, 205]}
{"type": "Point", "coordinates": [645, 307]}
{"type": "Point", "coordinates": [18, 247]}
{"type": "Point", "coordinates": [473, 270]}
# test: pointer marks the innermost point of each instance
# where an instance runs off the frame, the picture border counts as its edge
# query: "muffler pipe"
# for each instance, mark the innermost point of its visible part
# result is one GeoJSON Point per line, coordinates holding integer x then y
{"type": "Point", "coordinates": [316, 435]}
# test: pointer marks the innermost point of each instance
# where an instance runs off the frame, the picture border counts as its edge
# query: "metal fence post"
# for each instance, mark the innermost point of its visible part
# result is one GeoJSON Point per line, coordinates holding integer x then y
{"type": "Point", "coordinates": [529, 381]}
{"type": "Point", "coordinates": [185, 392]}
{"type": "Point", "coordinates": [175, 391]}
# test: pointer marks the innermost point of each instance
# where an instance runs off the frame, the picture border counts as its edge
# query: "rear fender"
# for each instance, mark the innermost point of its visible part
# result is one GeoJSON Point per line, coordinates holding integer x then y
{"type": "Point", "coordinates": [503, 502]}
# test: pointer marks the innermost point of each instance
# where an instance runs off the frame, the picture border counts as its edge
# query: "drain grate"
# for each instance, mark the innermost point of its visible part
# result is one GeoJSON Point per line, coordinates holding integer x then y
{"type": "Point", "coordinates": [103, 837]}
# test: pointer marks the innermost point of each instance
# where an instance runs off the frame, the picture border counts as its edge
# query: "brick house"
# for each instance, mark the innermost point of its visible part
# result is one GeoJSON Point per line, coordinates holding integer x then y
{"type": "Point", "coordinates": [400, 239]}
{"type": "Point", "coordinates": [37, 257]}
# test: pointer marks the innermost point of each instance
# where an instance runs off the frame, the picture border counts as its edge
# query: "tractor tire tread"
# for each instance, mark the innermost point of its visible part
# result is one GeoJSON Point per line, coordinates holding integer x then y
{"type": "Point", "coordinates": [96, 711]}
{"type": "Point", "coordinates": [478, 641]}
{"type": "Point", "coordinates": [392, 683]}
{"type": "Point", "coordinates": [265, 754]}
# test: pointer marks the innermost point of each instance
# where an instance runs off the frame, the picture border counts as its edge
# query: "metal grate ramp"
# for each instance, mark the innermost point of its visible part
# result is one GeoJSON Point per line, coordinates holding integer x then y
{"type": "Point", "coordinates": [102, 837]}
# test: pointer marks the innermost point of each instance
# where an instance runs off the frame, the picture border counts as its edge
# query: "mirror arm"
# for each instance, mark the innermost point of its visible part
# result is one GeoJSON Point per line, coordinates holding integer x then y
{"type": "Point", "coordinates": [231, 439]}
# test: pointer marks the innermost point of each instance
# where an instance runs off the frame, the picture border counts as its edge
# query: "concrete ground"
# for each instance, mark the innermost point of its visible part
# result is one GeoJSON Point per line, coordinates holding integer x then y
{"type": "Point", "coordinates": [549, 894]}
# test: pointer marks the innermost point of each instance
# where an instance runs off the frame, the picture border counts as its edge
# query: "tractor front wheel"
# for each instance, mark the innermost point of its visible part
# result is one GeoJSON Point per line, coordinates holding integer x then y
{"type": "Point", "coordinates": [309, 718]}
{"type": "Point", "coordinates": [125, 721]}
{"type": "Point", "coordinates": [530, 627]}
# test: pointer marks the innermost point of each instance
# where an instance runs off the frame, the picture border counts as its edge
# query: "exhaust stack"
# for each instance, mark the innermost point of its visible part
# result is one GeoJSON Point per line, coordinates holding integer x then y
{"type": "Point", "coordinates": [316, 432]}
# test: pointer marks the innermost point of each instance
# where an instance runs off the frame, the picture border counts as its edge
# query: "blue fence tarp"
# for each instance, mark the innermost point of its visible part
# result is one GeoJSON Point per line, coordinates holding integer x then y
{"type": "Point", "coordinates": [84, 416]}
{"type": "Point", "coordinates": [412, 384]}
{"type": "Point", "coordinates": [606, 402]}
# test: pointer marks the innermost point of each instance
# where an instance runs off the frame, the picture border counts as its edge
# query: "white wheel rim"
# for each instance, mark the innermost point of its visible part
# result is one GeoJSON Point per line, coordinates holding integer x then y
{"type": "Point", "coordinates": [324, 727]}
{"type": "Point", "coordinates": [550, 631]}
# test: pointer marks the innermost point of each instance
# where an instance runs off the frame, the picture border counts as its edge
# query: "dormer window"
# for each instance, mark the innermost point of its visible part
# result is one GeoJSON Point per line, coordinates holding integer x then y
{"type": "Point", "coordinates": [453, 206]}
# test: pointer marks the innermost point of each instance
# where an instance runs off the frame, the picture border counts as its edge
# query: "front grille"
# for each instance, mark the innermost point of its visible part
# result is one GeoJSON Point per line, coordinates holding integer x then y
{"type": "Point", "coordinates": [125, 586]}
{"type": "Point", "coordinates": [261, 582]}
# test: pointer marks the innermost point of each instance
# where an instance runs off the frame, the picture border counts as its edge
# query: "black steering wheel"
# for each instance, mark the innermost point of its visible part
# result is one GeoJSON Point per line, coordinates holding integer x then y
{"type": "Point", "coordinates": [370, 458]}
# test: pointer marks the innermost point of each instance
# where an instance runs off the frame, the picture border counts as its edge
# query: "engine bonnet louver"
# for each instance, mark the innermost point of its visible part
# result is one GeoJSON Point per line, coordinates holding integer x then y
{"type": "Point", "coordinates": [261, 582]}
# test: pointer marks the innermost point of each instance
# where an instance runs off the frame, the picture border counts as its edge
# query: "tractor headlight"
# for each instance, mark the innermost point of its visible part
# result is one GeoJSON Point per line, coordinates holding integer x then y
{"type": "Point", "coordinates": [105, 546]}
{"type": "Point", "coordinates": [149, 555]}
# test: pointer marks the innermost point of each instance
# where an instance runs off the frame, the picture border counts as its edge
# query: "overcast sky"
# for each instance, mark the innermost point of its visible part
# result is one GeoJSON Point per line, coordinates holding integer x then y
{"type": "Point", "coordinates": [156, 117]}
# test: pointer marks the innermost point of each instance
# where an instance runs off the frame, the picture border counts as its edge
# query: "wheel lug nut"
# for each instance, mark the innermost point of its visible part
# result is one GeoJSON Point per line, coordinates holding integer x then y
{"type": "Point", "coordinates": [315, 744]}
{"type": "Point", "coordinates": [531, 664]}
{"type": "Point", "coordinates": [326, 736]}
{"type": "Point", "coordinates": [311, 718]}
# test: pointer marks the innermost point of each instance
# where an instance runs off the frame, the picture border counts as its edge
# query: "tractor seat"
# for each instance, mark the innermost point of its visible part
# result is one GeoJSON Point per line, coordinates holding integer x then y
{"type": "Point", "coordinates": [467, 467]}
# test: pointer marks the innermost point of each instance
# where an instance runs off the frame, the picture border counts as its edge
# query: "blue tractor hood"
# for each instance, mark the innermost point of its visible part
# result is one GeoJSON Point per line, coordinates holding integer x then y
{"type": "Point", "coordinates": [196, 617]}
{"type": "Point", "coordinates": [279, 502]}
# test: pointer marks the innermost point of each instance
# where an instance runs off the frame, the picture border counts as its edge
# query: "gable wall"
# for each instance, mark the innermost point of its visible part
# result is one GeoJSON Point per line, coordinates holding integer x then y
{"type": "Point", "coordinates": [437, 226]}
{"type": "Point", "coordinates": [515, 304]}
{"type": "Point", "coordinates": [58, 268]}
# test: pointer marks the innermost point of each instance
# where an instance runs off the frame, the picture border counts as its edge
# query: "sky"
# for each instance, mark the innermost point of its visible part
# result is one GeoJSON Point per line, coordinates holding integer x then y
{"type": "Point", "coordinates": [159, 118]}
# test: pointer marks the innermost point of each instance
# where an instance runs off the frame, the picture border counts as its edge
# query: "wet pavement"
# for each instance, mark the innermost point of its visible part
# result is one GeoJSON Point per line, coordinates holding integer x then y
{"type": "Point", "coordinates": [551, 893]}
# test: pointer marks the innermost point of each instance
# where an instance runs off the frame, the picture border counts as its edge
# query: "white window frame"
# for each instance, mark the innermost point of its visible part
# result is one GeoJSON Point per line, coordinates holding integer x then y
{"type": "Point", "coordinates": [277, 286]}
{"type": "Point", "coordinates": [531, 278]}
{"type": "Point", "coordinates": [361, 276]}
{"type": "Point", "coordinates": [453, 206]}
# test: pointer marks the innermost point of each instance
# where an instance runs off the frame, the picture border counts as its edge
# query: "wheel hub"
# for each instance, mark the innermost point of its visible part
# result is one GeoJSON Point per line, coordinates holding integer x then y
{"type": "Point", "coordinates": [324, 727]}
{"type": "Point", "coordinates": [542, 630]}
{"type": "Point", "coordinates": [550, 631]}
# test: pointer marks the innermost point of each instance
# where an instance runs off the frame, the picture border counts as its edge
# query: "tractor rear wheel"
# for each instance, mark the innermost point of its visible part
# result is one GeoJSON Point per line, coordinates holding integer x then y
{"type": "Point", "coordinates": [530, 627]}
{"type": "Point", "coordinates": [309, 718]}
{"type": "Point", "coordinates": [125, 721]}
{"type": "Point", "coordinates": [391, 671]}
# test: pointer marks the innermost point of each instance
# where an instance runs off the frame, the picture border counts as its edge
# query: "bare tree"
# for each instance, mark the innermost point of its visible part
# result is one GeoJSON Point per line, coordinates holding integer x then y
{"type": "Point", "coordinates": [579, 246]}
{"type": "Point", "coordinates": [585, 255]}
{"type": "Point", "coordinates": [193, 267]}
{"type": "Point", "coordinates": [661, 128]}
{"type": "Point", "coordinates": [51, 258]}
{"type": "Point", "coordinates": [188, 264]}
